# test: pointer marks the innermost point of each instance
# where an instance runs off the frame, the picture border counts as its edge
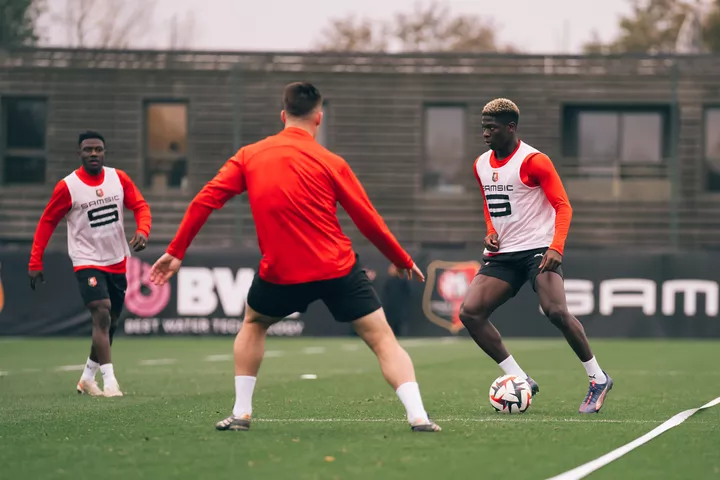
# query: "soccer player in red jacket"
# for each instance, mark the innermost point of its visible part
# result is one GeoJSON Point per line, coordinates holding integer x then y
{"type": "Point", "coordinates": [91, 199]}
{"type": "Point", "coordinates": [294, 185]}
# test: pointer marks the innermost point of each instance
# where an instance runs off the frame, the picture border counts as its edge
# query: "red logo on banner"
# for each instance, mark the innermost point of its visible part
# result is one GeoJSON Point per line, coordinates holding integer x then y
{"type": "Point", "coordinates": [445, 291]}
{"type": "Point", "coordinates": [146, 303]}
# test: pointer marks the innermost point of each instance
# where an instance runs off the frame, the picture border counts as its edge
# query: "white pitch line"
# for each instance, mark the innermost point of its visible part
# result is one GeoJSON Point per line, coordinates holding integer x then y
{"type": "Point", "coordinates": [446, 340]}
{"type": "Point", "coordinates": [70, 368]}
{"type": "Point", "coordinates": [499, 419]}
{"type": "Point", "coordinates": [314, 350]}
{"type": "Point", "coordinates": [586, 469]}
{"type": "Point", "coordinates": [419, 342]}
{"type": "Point", "coordinates": [157, 361]}
{"type": "Point", "coordinates": [350, 347]}
{"type": "Point", "coordinates": [2, 374]}
{"type": "Point", "coordinates": [218, 358]}
{"type": "Point", "coordinates": [228, 357]}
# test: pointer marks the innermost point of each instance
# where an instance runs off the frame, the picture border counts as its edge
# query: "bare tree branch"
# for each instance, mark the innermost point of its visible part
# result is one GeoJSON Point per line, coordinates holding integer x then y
{"type": "Point", "coordinates": [354, 34]}
{"type": "Point", "coordinates": [653, 26]}
{"type": "Point", "coordinates": [105, 23]}
{"type": "Point", "coordinates": [182, 32]}
{"type": "Point", "coordinates": [427, 28]}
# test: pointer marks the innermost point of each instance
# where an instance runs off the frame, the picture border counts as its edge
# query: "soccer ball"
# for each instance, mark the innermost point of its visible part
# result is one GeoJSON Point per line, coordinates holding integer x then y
{"type": "Point", "coordinates": [510, 394]}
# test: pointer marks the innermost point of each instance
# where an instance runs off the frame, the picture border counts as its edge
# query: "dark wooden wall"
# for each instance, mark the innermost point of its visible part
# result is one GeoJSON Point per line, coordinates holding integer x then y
{"type": "Point", "coordinates": [374, 120]}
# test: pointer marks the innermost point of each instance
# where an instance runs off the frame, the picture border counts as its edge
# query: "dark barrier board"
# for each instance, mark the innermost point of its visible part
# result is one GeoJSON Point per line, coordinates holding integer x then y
{"type": "Point", "coordinates": [615, 294]}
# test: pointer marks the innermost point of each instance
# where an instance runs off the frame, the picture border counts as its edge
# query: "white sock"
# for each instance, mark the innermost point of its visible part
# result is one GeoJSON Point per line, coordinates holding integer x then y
{"type": "Point", "coordinates": [409, 395]}
{"type": "Point", "coordinates": [595, 373]}
{"type": "Point", "coordinates": [90, 371]}
{"type": "Point", "coordinates": [244, 387]}
{"type": "Point", "coordinates": [108, 374]}
{"type": "Point", "coordinates": [511, 367]}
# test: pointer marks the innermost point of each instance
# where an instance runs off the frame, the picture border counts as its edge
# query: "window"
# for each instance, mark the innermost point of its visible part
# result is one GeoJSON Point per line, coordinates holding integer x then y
{"type": "Point", "coordinates": [712, 148]}
{"type": "Point", "coordinates": [603, 136]}
{"type": "Point", "coordinates": [599, 136]}
{"type": "Point", "coordinates": [166, 145]}
{"type": "Point", "coordinates": [445, 162]}
{"type": "Point", "coordinates": [24, 121]}
{"type": "Point", "coordinates": [642, 135]}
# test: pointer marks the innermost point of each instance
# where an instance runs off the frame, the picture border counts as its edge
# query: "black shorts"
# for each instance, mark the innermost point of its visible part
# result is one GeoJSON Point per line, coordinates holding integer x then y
{"type": "Point", "coordinates": [348, 298]}
{"type": "Point", "coordinates": [515, 268]}
{"type": "Point", "coordinates": [98, 285]}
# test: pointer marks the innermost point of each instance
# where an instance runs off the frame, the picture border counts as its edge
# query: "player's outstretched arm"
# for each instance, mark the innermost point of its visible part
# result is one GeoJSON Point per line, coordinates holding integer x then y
{"type": "Point", "coordinates": [541, 170]}
{"type": "Point", "coordinates": [135, 201]}
{"type": "Point", "coordinates": [59, 204]}
{"type": "Point", "coordinates": [229, 181]}
{"type": "Point", "coordinates": [357, 204]}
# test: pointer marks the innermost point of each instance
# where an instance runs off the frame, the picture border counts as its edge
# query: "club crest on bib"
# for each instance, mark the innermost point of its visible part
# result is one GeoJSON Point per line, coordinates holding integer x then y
{"type": "Point", "coordinates": [92, 281]}
{"type": "Point", "coordinates": [495, 176]}
{"type": "Point", "coordinates": [99, 192]}
{"type": "Point", "coordinates": [445, 291]}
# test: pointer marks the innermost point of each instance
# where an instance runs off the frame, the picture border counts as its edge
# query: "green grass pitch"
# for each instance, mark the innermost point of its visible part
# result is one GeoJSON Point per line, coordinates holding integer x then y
{"type": "Point", "coordinates": [347, 423]}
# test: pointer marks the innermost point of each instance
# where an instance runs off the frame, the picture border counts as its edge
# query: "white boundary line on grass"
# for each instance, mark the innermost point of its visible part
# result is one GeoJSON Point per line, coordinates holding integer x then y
{"type": "Point", "coordinates": [157, 362]}
{"type": "Point", "coordinates": [586, 469]}
{"type": "Point", "coordinates": [450, 420]}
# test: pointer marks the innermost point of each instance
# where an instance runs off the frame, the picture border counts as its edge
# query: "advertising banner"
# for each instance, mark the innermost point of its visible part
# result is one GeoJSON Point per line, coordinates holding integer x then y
{"type": "Point", "coordinates": [614, 294]}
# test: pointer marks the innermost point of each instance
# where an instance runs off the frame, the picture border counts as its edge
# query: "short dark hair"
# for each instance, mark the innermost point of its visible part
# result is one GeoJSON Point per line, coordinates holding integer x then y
{"type": "Point", "coordinates": [88, 135]}
{"type": "Point", "coordinates": [300, 99]}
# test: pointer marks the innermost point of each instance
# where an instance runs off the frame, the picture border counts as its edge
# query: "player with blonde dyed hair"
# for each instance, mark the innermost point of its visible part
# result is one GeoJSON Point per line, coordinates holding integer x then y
{"type": "Point", "coordinates": [500, 107]}
{"type": "Point", "coordinates": [528, 215]}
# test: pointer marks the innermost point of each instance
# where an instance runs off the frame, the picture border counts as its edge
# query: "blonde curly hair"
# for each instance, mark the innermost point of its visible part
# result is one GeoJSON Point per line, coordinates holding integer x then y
{"type": "Point", "coordinates": [502, 107]}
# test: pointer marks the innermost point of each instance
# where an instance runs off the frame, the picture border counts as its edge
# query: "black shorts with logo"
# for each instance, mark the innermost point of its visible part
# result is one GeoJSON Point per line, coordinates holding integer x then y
{"type": "Point", "coordinates": [515, 268]}
{"type": "Point", "coordinates": [348, 298]}
{"type": "Point", "coordinates": [98, 285]}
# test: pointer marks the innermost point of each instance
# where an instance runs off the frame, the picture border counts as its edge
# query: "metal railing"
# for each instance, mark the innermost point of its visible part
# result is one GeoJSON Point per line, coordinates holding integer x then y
{"type": "Point", "coordinates": [470, 64]}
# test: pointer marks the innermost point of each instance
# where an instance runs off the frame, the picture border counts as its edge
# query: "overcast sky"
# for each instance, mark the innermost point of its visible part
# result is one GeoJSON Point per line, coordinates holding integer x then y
{"type": "Point", "coordinates": [538, 26]}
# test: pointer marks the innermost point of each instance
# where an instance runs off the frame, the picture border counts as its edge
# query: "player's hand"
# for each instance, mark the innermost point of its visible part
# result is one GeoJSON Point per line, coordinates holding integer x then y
{"type": "Point", "coordinates": [35, 275]}
{"type": "Point", "coordinates": [138, 241]}
{"type": "Point", "coordinates": [551, 260]}
{"type": "Point", "coordinates": [410, 272]}
{"type": "Point", "coordinates": [165, 267]}
{"type": "Point", "coordinates": [492, 243]}
{"type": "Point", "coordinates": [371, 274]}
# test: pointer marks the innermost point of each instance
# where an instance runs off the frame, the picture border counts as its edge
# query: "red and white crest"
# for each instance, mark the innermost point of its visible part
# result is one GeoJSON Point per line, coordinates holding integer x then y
{"type": "Point", "coordinates": [92, 281]}
{"type": "Point", "coordinates": [445, 291]}
{"type": "Point", "coordinates": [99, 192]}
{"type": "Point", "coordinates": [495, 177]}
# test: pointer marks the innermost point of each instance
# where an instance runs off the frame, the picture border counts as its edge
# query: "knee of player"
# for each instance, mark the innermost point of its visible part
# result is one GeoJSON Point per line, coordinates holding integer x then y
{"type": "Point", "coordinates": [386, 345]}
{"type": "Point", "coordinates": [100, 311]}
{"type": "Point", "coordinates": [472, 313]}
{"type": "Point", "coordinates": [557, 314]}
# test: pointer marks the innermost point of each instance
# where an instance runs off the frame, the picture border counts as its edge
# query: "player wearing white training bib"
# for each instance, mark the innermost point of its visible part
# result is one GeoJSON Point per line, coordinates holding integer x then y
{"type": "Point", "coordinates": [527, 214]}
{"type": "Point", "coordinates": [521, 214]}
{"type": "Point", "coordinates": [96, 235]}
{"type": "Point", "coordinates": [92, 199]}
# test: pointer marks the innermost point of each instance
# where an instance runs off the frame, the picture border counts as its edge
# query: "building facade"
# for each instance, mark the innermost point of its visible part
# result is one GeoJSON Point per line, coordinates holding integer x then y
{"type": "Point", "coordinates": [635, 138]}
